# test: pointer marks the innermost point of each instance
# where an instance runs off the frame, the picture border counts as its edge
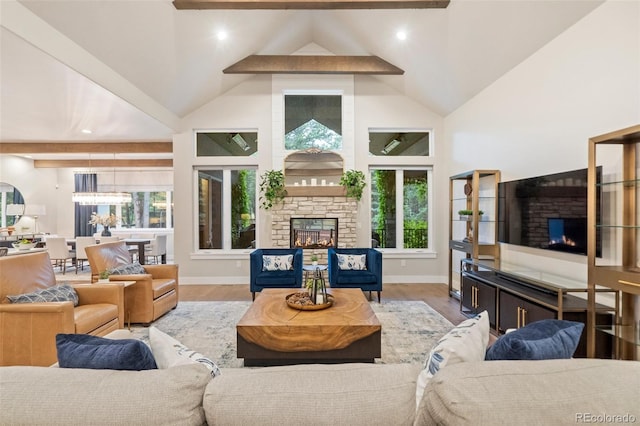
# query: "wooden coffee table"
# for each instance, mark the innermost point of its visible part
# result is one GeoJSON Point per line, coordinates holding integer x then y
{"type": "Point", "coordinates": [272, 333]}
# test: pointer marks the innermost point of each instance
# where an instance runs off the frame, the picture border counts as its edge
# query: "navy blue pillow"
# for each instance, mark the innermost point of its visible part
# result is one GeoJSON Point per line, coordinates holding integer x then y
{"type": "Point", "coordinates": [86, 351]}
{"type": "Point", "coordinates": [545, 339]}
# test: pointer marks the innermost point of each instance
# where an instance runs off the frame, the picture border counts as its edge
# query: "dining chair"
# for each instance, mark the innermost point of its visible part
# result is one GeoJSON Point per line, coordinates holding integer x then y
{"type": "Point", "coordinates": [81, 255]}
{"type": "Point", "coordinates": [109, 239]}
{"type": "Point", "coordinates": [157, 248]}
{"type": "Point", "coordinates": [59, 252]}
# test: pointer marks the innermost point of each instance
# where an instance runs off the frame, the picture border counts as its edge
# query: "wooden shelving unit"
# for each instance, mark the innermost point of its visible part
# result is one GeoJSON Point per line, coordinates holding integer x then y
{"type": "Point", "coordinates": [473, 236]}
{"type": "Point", "coordinates": [614, 235]}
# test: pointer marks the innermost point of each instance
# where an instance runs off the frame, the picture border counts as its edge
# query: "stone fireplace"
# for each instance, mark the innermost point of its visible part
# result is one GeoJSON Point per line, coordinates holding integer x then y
{"type": "Point", "coordinates": [313, 232]}
{"type": "Point", "coordinates": [335, 207]}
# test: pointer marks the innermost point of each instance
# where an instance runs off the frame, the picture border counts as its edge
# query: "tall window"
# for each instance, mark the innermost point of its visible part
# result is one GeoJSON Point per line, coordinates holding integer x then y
{"type": "Point", "coordinates": [226, 208]}
{"type": "Point", "coordinates": [313, 121]}
{"type": "Point", "coordinates": [400, 207]}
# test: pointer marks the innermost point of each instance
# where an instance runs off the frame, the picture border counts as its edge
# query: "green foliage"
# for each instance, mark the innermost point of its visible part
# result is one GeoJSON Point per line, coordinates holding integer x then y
{"type": "Point", "coordinates": [312, 135]}
{"type": "Point", "coordinates": [354, 182]}
{"type": "Point", "coordinates": [272, 188]}
{"type": "Point", "coordinates": [465, 212]}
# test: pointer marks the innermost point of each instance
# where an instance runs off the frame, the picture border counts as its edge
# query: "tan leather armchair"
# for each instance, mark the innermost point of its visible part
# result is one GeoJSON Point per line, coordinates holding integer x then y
{"type": "Point", "coordinates": [28, 330]}
{"type": "Point", "coordinates": [154, 293]}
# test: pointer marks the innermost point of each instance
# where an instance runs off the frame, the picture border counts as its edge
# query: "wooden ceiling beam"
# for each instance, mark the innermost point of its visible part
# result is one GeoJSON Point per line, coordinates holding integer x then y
{"type": "Point", "coordinates": [310, 4]}
{"type": "Point", "coordinates": [59, 164]}
{"type": "Point", "coordinates": [312, 64]}
{"type": "Point", "coordinates": [98, 147]}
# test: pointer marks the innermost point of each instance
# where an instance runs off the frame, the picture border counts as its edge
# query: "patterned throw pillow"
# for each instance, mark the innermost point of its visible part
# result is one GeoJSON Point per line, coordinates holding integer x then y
{"type": "Point", "coordinates": [169, 352]}
{"type": "Point", "coordinates": [60, 293]}
{"type": "Point", "coordinates": [128, 269]}
{"type": "Point", "coordinates": [356, 262]}
{"type": "Point", "coordinates": [466, 342]}
{"type": "Point", "coordinates": [277, 263]}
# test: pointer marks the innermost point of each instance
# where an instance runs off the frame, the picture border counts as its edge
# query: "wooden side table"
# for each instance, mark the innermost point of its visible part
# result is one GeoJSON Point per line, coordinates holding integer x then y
{"type": "Point", "coordinates": [126, 308]}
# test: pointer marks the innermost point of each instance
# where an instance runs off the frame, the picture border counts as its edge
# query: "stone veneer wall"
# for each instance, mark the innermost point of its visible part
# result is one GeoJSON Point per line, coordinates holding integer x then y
{"type": "Point", "coordinates": [341, 207]}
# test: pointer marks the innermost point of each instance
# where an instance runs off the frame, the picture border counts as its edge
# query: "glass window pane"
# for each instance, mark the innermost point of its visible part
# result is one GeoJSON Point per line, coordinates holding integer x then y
{"type": "Point", "coordinates": [243, 217]}
{"type": "Point", "coordinates": [386, 144]}
{"type": "Point", "coordinates": [225, 144]}
{"type": "Point", "coordinates": [313, 121]}
{"type": "Point", "coordinates": [210, 190]}
{"type": "Point", "coordinates": [383, 208]}
{"type": "Point", "coordinates": [415, 208]}
{"type": "Point", "coordinates": [146, 210]}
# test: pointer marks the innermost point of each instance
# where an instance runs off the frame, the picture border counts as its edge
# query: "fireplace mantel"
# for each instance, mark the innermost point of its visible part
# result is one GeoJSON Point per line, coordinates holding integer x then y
{"type": "Point", "coordinates": [316, 191]}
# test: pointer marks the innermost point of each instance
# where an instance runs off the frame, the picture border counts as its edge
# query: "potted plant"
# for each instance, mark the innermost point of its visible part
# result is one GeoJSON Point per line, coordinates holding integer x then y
{"type": "Point", "coordinates": [314, 259]}
{"type": "Point", "coordinates": [466, 214]}
{"type": "Point", "coordinates": [272, 188]}
{"type": "Point", "coordinates": [354, 182]}
{"type": "Point", "coordinates": [103, 276]}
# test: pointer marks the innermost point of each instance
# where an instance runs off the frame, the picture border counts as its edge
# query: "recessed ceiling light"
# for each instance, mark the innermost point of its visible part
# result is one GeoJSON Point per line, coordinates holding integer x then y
{"type": "Point", "coordinates": [86, 131]}
{"type": "Point", "coordinates": [222, 35]}
{"type": "Point", "coordinates": [401, 35]}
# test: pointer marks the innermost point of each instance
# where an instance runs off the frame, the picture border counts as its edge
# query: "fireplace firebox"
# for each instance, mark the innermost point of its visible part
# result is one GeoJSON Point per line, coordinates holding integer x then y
{"type": "Point", "coordinates": [313, 232]}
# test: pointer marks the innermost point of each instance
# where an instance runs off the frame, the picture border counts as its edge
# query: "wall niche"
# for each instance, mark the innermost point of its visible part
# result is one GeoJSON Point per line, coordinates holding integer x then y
{"type": "Point", "coordinates": [313, 172]}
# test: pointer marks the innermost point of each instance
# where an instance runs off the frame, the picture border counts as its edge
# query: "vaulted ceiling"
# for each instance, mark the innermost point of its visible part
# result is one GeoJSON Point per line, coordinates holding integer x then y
{"type": "Point", "coordinates": [130, 70]}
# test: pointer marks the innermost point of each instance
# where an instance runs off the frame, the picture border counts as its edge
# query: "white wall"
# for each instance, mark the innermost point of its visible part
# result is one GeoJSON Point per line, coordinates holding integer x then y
{"type": "Point", "coordinates": [537, 118]}
{"type": "Point", "coordinates": [251, 105]}
{"type": "Point", "coordinates": [38, 186]}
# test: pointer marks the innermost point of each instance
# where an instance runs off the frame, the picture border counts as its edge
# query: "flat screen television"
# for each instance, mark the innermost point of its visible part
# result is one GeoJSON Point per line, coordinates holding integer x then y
{"type": "Point", "coordinates": [546, 212]}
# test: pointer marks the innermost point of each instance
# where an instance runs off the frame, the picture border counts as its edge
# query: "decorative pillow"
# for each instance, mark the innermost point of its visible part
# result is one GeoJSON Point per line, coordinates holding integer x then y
{"type": "Point", "coordinates": [545, 339]}
{"type": "Point", "coordinates": [59, 293]}
{"type": "Point", "coordinates": [356, 262]}
{"type": "Point", "coordinates": [277, 263]}
{"type": "Point", "coordinates": [169, 352]}
{"type": "Point", "coordinates": [128, 269]}
{"type": "Point", "coordinates": [466, 342]}
{"type": "Point", "coordinates": [87, 351]}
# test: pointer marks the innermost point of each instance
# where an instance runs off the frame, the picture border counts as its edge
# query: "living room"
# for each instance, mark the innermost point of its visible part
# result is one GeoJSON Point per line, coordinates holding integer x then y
{"type": "Point", "coordinates": [532, 119]}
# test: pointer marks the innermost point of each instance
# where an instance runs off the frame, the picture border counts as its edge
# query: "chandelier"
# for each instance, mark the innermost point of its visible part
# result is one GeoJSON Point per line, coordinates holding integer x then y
{"type": "Point", "coordinates": [94, 198]}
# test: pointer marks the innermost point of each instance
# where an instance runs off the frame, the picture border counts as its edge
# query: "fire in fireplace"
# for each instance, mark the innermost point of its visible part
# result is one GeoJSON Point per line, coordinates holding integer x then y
{"type": "Point", "coordinates": [313, 232]}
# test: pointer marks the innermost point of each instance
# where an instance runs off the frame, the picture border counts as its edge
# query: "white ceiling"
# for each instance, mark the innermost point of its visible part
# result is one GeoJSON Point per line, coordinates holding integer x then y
{"type": "Point", "coordinates": [130, 70]}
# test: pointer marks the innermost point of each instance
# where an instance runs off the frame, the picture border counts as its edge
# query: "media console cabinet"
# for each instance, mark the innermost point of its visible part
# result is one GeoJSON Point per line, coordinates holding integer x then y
{"type": "Point", "coordinates": [513, 300]}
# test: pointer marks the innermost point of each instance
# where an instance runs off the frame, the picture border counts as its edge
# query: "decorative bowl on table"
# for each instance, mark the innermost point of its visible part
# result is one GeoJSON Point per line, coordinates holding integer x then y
{"type": "Point", "coordinates": [23, 246]}
{"type": "Point", "coordinates": [302, 301]}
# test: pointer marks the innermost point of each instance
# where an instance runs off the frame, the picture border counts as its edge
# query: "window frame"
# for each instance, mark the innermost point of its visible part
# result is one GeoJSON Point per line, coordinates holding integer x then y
{"type": "Point", "coordinates": [227, 241]}
{"type": "Point", "coordinates": [401, 163]}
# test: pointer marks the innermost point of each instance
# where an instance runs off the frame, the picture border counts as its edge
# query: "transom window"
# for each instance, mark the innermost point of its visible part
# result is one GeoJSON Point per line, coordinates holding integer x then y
{"type": "Point", "coordinates": [313, 121]}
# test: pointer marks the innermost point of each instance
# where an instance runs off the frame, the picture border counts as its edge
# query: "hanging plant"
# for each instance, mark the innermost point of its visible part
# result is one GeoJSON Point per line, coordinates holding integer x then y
{"type": "Point", "coordinates": [354, 182]}
{"type": "Point", "coordinates": [272, 188]}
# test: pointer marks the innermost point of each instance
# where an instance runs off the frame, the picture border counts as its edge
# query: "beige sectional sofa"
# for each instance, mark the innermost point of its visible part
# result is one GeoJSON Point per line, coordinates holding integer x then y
{"type": "Point", "coordinates": [554, 392]}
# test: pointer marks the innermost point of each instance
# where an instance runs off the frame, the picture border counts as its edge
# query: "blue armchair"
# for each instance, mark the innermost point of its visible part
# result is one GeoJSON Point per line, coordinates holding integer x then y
{"type": "Point", "coordinates": [263, 278]}
{"type": "Point", "coordinates": [367, 280]}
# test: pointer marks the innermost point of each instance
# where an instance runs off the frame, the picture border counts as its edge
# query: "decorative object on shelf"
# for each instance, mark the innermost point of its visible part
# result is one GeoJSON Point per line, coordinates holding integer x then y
{"type": "Point", "coordinates": [354, 182]}
{"type": "Point", "coordinates": [467, 214]}
{"type": "Point", "coordinates": [272, 188]}
{"type": "Point", "coordinates": [314, 259]}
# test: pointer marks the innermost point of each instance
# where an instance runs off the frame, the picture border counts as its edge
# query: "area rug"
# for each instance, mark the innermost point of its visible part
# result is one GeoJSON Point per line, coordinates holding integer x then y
{"type": "Point", "coordinates": [409, 329]}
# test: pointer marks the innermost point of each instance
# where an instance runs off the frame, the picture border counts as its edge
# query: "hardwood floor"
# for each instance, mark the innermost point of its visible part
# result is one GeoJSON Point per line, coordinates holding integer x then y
{"type": "Point", "coordinates": [435, 295]}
